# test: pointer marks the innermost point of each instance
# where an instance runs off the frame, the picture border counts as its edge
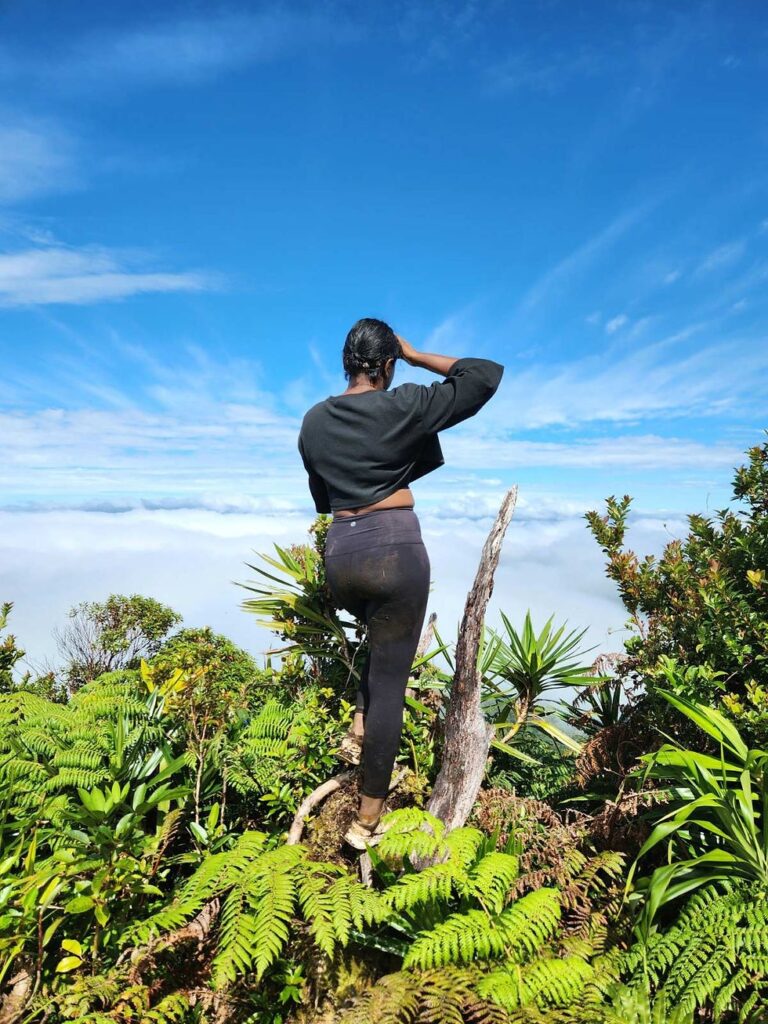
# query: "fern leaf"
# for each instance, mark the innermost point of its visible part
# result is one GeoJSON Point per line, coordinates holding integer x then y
{"type": "Point", "coordinates": [433, 883]}
{"type": "Point", "coordinates": [492, 878]}
{"type": "Point", "coordinates": [317, 906]}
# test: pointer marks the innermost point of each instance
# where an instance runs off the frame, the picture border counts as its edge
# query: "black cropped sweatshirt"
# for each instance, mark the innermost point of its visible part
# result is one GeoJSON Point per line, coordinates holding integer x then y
{"type": "Point", "coordinates": [360, 448]}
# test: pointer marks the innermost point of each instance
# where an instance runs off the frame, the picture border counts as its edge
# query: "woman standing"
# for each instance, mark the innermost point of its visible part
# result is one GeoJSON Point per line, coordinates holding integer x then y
{"type": "Point", "coordinates": [362, 449]}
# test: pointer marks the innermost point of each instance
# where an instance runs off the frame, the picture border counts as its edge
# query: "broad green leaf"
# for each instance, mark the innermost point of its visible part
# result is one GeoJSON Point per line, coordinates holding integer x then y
{"type": "Point", "coordinates": [68, 963]}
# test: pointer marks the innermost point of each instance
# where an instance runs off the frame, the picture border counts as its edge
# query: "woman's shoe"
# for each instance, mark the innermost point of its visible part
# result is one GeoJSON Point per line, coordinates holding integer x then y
{"type": "Point", "coordinates": [351, 749]}
{"type": "Point", "coordinates": [361, 835]}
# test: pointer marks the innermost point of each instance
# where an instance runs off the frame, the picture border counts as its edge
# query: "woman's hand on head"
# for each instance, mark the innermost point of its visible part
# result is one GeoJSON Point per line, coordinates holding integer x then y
{"type": "Point", "coordinates": [407, 351]}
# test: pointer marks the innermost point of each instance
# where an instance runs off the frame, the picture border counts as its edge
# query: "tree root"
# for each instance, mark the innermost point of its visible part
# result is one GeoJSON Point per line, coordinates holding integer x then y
{"type": "Point", "coordinates": [198, 930]}
{"type": "Point", "coordinates": [316, 797]}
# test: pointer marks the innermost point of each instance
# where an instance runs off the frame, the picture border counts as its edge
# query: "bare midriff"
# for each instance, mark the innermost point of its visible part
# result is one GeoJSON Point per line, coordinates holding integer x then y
{"type": "Point", "coordinates": [402, 498]}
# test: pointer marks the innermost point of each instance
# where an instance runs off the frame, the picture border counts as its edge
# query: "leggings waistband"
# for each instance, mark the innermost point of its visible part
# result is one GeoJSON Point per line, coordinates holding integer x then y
{"type": "Point", "coordinates": [374, 512]}
{"type": "Point", "coordinates": [370, 529]}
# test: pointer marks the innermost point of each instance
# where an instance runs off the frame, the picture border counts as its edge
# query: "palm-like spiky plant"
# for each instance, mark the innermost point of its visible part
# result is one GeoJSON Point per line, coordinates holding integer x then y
{"type": "Point", "coordinates": [518, 669]}
{"type": "Point", "coordinates": [715, 826]}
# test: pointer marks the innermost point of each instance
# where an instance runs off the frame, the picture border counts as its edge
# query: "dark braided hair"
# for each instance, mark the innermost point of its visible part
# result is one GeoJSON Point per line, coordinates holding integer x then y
{"type": "Point", "coordinates": [370, 343]}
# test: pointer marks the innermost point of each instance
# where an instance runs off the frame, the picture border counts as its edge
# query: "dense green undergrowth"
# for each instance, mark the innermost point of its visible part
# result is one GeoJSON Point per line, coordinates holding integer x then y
{"type": "Point", "coordinates": [614, 867]}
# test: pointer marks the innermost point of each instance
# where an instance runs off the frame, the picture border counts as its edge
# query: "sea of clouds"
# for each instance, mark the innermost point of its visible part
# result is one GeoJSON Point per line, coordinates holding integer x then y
{"type": "Point", "coordinates": [193, 558]}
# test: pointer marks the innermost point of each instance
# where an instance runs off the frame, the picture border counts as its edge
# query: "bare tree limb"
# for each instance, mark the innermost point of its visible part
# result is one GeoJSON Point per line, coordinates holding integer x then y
{"type": "Point", "coordinates": [426, 636]}
{"type": "Point", "coordinates": [424, 643]}
{"type": "Point", "coordinates": [467, 734]}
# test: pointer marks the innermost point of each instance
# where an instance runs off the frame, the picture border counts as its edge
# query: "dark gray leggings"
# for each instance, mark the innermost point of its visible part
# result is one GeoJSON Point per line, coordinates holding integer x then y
{"type": "Point", "coordinates": [378, 569]}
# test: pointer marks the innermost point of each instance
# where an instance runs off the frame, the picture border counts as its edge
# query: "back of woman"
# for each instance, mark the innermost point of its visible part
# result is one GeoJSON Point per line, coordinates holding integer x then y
{"type": "Point", "coordinates": [362, 449]}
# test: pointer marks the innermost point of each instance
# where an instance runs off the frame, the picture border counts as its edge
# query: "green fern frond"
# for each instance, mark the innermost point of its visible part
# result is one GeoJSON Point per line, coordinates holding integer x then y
{"type": "Point", "coordinates": [491, 879]}
{"type": "Point", "coordinates": [459, 939]}
{"type": "Point", "coordinates": [462, 845]}
{"type": "Point", "coordinates": [530, 921]}
{"type": "Point", "coordinates": [271, 891]}
{"type": "Point", "coordinates": [237, 939]}
{"type": "Point", "coordinates": [173, 1007]}
{"type": "Point", "coordinates": [355, 906]}
{"type": "Point", "coordinates": [412, 832]}
{"type": "Point", "coordinates": [502, 987]}
{"type": "Point", "coordinates": [316, 901]}
{"type": "Point", "coordinates": [433, 883]}
{"type": "Point", "coordinates": [76, 778]}
{"type": "Point", "coordinates": [555, 982]}
{"type": "Point", "coordinates": [715, 955]}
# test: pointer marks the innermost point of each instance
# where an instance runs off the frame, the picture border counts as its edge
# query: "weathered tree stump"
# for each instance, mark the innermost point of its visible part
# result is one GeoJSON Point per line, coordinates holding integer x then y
{"type": "Point", "coordinates": [467, 734]}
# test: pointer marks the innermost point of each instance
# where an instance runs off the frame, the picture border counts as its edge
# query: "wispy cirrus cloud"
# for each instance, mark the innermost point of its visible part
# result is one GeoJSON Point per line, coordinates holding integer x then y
{"type": "Point", "coordinates": [616, 323]}
{"type": "Point", "coordinates": [58, 274]}
{"type": "Point", "coordinates": [570, 269]}
{"type": "Point", "coordinates": [723, 256]}
{"type": "Point", "coordinates": [180, 50]}
{"type": "Point", "coordinates": [643, 452]}
{"type": "Point", "coordinates": [227, 456]}
{"type": "Point", "coordinates": [664, 380]}
{"type": "Point", "coordinates": [35, 158]}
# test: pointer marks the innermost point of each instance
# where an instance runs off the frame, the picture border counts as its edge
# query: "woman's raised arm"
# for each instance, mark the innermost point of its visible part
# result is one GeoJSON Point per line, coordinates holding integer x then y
{"type": "Point", "coordinates": [426, 360]}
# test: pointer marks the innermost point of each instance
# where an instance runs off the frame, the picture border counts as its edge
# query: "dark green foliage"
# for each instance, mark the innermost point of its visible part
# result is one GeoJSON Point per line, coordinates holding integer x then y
{"type": "Point", "coordinates": [283, 752]}
{"type": "Point", "coordinates": [10, 654]}
{"type": "Point", "coordinates": [704, 602]}
{"type": "Point", "coordinates": [223, 661]}
{"type": "Point", "coordinates": [103, 636]}
{"type": "Point", "coordinates": [547, 778]}
{"type": "Point", "coordinates": [714, 955]}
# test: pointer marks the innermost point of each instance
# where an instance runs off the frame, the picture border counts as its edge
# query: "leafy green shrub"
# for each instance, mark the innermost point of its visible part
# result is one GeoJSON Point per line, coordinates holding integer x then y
{"type": "Point", "coordinates": [105, 636]}
{"type": "Point", "coordinates": [92, 794]}
{"type": "Point", "coordinates": [704, 602]}
{"type": "Point", "coordinates": [223, 662]}
{"type": "Point", "coordinates": [10, 654]}
{"type": "Point", "coordinates": [284, 752]}
{"type": "Point", "coordinates": [714, 826]}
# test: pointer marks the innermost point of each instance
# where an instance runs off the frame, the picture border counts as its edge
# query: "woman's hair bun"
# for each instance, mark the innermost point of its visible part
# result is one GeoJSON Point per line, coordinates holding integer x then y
{"type": "Point", "coordinates": [369, 344]}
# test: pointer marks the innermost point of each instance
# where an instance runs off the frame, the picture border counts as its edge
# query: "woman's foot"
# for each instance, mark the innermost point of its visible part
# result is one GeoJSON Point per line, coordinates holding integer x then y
{"type": "Point", "coordinates": [351, 746]}
{"type": "Point", "coordinates": [366, 830]}
{"type": "Point", "coordinates": [351, 749]}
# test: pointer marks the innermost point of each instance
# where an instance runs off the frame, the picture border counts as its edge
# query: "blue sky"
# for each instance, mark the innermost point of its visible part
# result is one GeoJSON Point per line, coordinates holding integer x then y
{"type": "Point", "coordinates": [198, 200]}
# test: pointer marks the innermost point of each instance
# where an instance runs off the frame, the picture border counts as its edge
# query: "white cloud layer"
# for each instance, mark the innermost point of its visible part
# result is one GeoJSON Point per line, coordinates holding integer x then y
{"type": "Point", "coordinates": [59, 274]}
{"type": "Point", "coordinates": [232, 454]}
{"type": "Point", "coordinates": [50, 561]}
